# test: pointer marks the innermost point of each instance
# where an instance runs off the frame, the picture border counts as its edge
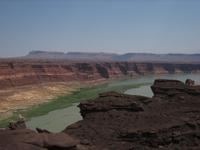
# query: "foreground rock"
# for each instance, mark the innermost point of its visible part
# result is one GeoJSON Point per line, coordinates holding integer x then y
{"type": "Point", "coordinates": [17, 137]}
{"type": "Point", "coordinates": [168, 121]}
{"type": "Point", "coordinates": [25, 139]}
{"type": "Point", "coordinates": [170, 88]}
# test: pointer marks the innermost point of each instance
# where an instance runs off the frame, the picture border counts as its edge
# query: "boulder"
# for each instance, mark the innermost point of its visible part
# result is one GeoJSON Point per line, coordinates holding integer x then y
{"type": "Point", "coordinates": [113, 101]}
{"type": "Point", "coordinates": [170, 88]}
{"type": "Point", "coordinates": [25, 139]}
{"type": "Point", "coordinates": [17, 125]}
{"type": "Point", "coordinates": [189, 82]}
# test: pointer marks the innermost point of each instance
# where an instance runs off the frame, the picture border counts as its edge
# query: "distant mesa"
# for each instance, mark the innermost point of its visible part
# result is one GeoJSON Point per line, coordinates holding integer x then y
{"type": "Point", "coordinates": [70, 55]}
{"type": "Point", "coordinates": [138, 57]}
{"type": "Point", "coordinates": [38, 52]}
{"type": "Point", "coordinates": [45, 55]}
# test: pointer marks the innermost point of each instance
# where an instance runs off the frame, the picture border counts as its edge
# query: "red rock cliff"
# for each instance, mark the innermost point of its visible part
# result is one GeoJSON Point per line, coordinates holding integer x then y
{"type": "Point", "coordinates": [21, 72]}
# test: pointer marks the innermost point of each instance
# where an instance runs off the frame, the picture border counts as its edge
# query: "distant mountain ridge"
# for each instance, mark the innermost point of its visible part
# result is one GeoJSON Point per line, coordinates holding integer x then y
{"type": "Point", "coordinates": [101, 56]}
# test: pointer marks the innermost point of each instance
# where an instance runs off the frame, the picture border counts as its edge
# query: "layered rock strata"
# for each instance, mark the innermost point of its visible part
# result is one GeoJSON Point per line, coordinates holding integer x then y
{"type": "Point", "coordinates": [25, 72]}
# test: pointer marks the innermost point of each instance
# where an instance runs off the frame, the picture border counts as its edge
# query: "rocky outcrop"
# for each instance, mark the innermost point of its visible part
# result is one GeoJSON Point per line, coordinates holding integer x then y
{"type": "Point", "coordinates": [105, 103]}
{"type": "Point", "coordinates": [25, 72]}
{"type": "Point", "coordinates": [164, 88]}
{"type": "Point", "coordinates": [25, 139]}
{"type": "Point", "coordinates": [169, 121]}
{"type": "Point", "coordinates": [18, 137]}
{"type": "Point", "coordinates": [17, 125]}
{"type": "Point", "coordinates": [189, 82]}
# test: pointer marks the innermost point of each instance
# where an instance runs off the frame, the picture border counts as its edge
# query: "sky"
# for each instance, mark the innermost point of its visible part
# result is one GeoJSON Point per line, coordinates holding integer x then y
{"type": "Point", "coordinates": [116, 26]}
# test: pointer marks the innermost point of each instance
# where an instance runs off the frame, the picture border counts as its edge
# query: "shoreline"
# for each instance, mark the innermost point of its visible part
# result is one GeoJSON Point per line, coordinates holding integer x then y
{"type": "Point", "coordinates": [78, 94]}
{"type": "Point", "coordinates": [27, 96]}
{"type": "Point", "coordinates": [88, 91]}
{"type": "Point", "coordinates": [24, 97]}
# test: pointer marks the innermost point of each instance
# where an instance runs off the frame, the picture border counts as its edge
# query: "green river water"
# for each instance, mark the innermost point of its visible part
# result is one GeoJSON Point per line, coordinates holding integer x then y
{"type": "Point", "coordinates": [58, 119]}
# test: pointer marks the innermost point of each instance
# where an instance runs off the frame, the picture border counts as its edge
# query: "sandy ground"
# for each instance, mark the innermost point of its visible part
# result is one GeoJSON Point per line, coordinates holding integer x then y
{"type": "Point", "coordinates": [30, 95]}
{"type": "Point", "coordinates": [24, 97]}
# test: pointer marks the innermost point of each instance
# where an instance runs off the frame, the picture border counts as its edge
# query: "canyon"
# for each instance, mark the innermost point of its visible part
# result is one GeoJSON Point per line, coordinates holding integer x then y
{"type": "Point", "coordinates": [29, 82]}
{"type": "Point", "coordinates": [168, 120]}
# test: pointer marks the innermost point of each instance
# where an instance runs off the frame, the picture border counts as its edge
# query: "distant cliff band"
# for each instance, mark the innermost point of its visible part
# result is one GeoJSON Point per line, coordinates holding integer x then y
{"type": "Point", "coordinates": [17, 73]}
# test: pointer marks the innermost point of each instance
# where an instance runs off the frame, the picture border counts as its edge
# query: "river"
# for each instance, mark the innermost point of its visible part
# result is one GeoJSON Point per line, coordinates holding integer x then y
{"type": "Point", "coordinates": [57, 120]}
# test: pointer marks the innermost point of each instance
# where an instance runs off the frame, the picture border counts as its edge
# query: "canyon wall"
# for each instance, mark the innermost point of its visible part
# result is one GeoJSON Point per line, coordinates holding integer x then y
{"type": "Point", "coordinates": [25, 72]}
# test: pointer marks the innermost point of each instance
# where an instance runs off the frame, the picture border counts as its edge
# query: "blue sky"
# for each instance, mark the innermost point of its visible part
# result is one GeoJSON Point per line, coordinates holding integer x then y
{"type": "Point", "coordinates": [120, 26]}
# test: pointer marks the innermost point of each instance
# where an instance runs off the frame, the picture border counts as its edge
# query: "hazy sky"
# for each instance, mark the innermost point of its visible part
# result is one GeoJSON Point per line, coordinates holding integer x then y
{"type": "Point", "coordinates": [157, 26]}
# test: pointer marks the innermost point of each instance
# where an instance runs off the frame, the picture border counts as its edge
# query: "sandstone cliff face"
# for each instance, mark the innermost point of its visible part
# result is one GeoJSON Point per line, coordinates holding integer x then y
{"type": "Point", "coordinates": [16, 73]}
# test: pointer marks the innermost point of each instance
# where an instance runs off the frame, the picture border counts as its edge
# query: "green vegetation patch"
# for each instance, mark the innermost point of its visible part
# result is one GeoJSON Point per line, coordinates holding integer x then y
{"type": "Point", "coordinates": [81, 94]}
